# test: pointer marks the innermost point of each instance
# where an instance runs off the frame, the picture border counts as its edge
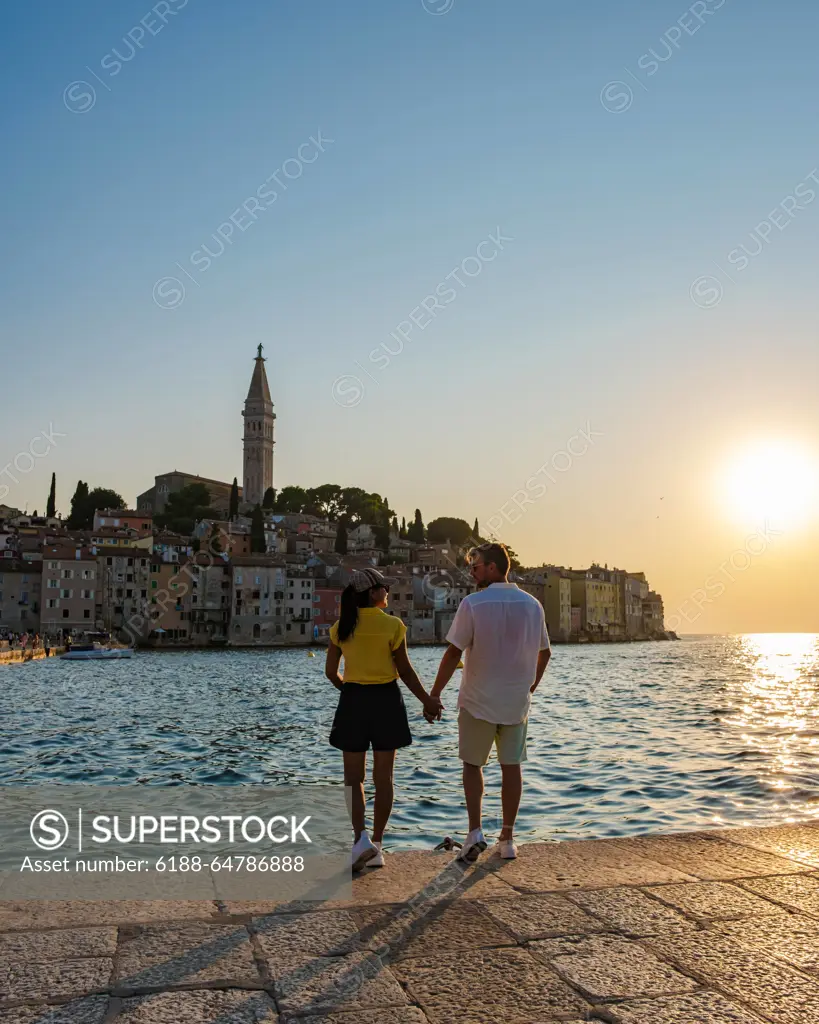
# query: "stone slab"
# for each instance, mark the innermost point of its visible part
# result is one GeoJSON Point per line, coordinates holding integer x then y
{"type": "Point", "coordinates": [63, 944]}
{"type": "Point", "coordinates": [774, 990]}
{"type": "Point", "coordinates": [606, 967]}
{"type": "Point", "coordinates": [796, 892]}
{"type": "Point", "coordinates": [209, 1007]}
{"type": "Point", "coordinates": [32, 914]}
{"type": "Point", "coordinates": [795, 842]}
{"type": "Point", "coordinates": [289, 941]}
{"type": "Point", "coordinates": [789, 937]}
{"type": "Point", "coordinates": [709, 857]}
{"type": "Point", "coordinates": [162, 956]}
{"type": "Point", "coordinates": [350, 983]}
{"type": "Point", "coordinates": [591, 864]}
{"type": "Point", "coordinates": [415, 874]}
{"type": "Point", "coordinates": [630, 911]}
{"type": "Point", "coordinates": [493, 984]}
{"type": "Point", "coordinates": [711, 901]}
{"type": "Point", "coordinates": [78, 1011]}
{"type": "Point", "coordinates": [698, 1008]}
{"type": "Point", "coordinates": [539, 916]}
{"type": "Point", "coordinates": [67, 979]}
{"type": "Point", "coordinates": [396, 933]}
{"type": "Point", "coordinates": [386, 1015]}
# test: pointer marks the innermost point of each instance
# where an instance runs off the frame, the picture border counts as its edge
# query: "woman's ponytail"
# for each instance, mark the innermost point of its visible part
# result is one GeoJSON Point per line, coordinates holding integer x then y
{"type": "Point", "coordinates": [351, 601]}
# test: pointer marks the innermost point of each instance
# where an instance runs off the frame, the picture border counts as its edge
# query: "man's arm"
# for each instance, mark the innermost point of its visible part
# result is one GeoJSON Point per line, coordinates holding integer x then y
{"type": "Point", "coordinates": [459, 637]}
{"type": "Point", "coordinates": [449, 662]}
{"type": "Point", "coordinates": [432, 706]}
{"type": "Point", "coordinates": [542, 661]}
{"type": "Point", "coordinates": [331, 665]}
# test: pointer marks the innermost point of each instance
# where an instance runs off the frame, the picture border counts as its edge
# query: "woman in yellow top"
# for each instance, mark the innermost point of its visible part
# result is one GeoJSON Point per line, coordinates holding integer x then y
{"type": "Point", "coordinates": [371, 708]}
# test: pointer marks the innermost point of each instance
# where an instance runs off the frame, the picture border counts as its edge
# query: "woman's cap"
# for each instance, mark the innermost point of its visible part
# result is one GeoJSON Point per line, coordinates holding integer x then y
{"type": "Point", "coordinates": [366, 579]}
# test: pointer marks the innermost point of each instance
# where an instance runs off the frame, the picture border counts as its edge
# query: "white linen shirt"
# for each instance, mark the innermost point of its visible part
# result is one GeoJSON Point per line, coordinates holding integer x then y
{"type": "Point", "coordinates": [500, 629]}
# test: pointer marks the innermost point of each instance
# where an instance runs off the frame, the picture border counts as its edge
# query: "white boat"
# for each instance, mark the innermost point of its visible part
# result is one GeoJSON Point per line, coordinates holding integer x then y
{"type": "Point", "coordinates": [89, 652]}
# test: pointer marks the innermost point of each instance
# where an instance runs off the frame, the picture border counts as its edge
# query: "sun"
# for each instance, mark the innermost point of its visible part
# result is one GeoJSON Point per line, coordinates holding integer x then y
{"type": "Point", "coordinates": [774, 481]}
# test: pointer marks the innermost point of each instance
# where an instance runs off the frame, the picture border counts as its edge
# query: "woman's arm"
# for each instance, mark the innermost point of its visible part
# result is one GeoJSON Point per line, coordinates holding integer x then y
{"type": "Point", "coordinates": [432, 706]}
{"type": "Point", "coordinates": [331, 666]}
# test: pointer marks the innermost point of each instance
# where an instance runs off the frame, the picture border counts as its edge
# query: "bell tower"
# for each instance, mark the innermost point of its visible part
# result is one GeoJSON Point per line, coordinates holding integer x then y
{"type": "Point", "coordinates": [258, 436]}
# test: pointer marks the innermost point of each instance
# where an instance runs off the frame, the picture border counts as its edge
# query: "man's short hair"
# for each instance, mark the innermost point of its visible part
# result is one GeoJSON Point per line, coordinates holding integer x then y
{"type": "Point", "coordinates": [492, 552]}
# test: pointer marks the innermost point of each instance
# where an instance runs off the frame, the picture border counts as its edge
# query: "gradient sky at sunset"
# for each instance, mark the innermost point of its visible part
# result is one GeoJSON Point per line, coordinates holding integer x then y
{"type": "Point", "coordinates": [651, 167]}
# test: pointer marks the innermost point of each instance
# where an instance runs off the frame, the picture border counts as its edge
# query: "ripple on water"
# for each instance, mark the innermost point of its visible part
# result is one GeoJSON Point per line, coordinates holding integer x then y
{"type": "Point", "coordinates": [623, 740]}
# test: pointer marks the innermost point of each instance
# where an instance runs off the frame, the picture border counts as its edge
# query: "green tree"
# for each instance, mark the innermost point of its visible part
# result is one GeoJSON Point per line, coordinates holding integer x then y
{"type": "Point", "coordinates": [258, 544]}
{"type": "Point", "coordinates": [51, 506]}
{"type": "Point", "coordinates": [185, 508]}
{"type": "Point", "coordinates": [76, 517]}
{"type": "Point", "coordinates": [269, 499]}
{"type": "Point", "coordinates": [290, 500]}
{"type": "Point", "coordinates": [402, 533]}
{"type": "Point", "coordinates": [381, 533]}
{"type": "Point", "coordinates": [85, 503]}
{"type": "Point", "coordinates": [415, 531]}
{"type": "Point", "coordinates": [444, 529]}
{"type": "Point", "coordinates": [341, 538]}
{"type": "Point", "coordinates": [327, 500]}
{"type": "Point", "coordinates": [233, 507]}
{"type": "Point", "coordinates": [394, 524]}
{"type": "Point", "coordinates": [476, 530]}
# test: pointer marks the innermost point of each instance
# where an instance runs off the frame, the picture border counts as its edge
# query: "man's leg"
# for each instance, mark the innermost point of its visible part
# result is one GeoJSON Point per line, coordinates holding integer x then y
{"type": "Point", "coordinates": [473, 791]}
{"type": "Point", "coordinates": [383, 762]}
{"type": "Point", "coordinates": [511, 742]}
{"type": "Point", "coordinates": [511, 791]}
{"type": "Point", "coordinates": [354, 767]}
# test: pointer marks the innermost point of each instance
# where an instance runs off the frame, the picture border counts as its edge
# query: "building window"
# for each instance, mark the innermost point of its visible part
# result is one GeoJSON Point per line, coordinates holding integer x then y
{"type": "Point", "coordinates": [65, 613]}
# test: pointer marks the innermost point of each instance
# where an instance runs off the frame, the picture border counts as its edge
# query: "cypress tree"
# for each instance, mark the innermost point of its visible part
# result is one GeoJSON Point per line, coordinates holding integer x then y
{"type": "Point", "coordinates": [233, 508]}
{"type": "Point", "coordinates": [341, 538]}
{"type": "Point", "coordinates": [415, 532]}
{"type": "Point", "coordinates": [258, 544]}
{"type": "Point", "coordinates": [51, 507]}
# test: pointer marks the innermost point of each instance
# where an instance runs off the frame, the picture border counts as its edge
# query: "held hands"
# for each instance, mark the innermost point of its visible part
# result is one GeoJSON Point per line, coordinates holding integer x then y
{"type": "Point", "coordinates": [433, 708]}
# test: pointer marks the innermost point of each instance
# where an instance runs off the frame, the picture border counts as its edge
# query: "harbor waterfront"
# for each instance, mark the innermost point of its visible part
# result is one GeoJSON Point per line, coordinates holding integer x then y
{"type": "Point", "coordinates": [625, 739]}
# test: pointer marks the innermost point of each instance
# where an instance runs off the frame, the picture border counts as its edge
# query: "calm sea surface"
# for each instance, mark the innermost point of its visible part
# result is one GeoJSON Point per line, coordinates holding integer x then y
{"type": "Point", "coordinates": [623, 739]}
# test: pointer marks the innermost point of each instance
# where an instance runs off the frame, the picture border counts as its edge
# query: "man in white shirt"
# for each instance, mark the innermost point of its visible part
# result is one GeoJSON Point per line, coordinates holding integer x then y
{"type": "Point", "coordinates": [501, 632]}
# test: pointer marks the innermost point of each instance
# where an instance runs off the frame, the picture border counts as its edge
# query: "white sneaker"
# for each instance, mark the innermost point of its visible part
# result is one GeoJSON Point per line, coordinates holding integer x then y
{"type": "Point", "coordinates": [507, 849]}
{"type": "Point", "coordinates": [473, 847]}
{"type": "Point", "coordinates": [363, 851]}
{"type": "Point", "coordinates": [378, 860]}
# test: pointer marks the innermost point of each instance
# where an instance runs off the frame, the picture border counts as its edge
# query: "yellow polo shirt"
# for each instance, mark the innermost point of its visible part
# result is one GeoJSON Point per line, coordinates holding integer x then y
{"type": "Point", "coordinates": [368, 652]}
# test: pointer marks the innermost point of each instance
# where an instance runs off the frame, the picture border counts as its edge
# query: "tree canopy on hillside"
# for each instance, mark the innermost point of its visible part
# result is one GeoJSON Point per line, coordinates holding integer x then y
{"type": "Point", "coordinates": [330, 501]}
{"type": "Point", "coordinates": [184, 508]}
{"type": "Point", "coordinates": [445, 528]}
{"type": "Point", "coordinates": [85, 503]}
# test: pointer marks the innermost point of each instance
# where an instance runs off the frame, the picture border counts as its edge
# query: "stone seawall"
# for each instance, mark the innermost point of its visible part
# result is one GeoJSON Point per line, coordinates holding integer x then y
{"type": "Point", "coordinates": [19, 657]}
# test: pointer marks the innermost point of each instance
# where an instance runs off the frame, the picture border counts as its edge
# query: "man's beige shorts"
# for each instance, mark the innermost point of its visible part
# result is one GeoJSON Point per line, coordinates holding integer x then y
{"type": "Point", "coordinates": [475, 739]}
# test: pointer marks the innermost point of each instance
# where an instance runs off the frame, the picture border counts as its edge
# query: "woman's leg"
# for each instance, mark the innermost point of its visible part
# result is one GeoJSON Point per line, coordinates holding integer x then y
{"type": "Point", "coordinates": [355, 765]}
{"type": "Point", "coordinates": [383, 762]}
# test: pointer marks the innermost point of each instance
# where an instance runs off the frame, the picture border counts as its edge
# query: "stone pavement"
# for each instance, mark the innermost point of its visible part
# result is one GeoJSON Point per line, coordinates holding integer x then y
{"type": "Point", "coordinates": [718, 927]}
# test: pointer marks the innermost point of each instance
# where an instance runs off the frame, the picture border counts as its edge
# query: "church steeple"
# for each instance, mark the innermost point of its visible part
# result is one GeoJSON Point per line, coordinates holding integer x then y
{"type": "Point", "coordinates": [258, 435]}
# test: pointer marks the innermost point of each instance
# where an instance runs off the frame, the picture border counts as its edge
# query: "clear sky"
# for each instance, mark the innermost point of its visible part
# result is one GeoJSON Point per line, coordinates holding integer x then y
{"type": "Point", "coordinates": [626, 153]}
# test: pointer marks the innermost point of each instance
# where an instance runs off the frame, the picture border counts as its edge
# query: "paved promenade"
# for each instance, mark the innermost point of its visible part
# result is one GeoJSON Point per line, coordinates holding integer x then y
{"type": "Point", "coordinates": [703, 928]}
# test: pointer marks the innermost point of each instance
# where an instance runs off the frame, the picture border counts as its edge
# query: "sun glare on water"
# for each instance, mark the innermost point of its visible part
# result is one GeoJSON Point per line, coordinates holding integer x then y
{"type": "Point", "coordinates": [772, 481]}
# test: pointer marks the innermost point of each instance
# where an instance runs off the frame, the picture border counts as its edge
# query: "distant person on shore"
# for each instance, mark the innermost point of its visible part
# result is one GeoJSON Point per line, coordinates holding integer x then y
{"type": "Point", "coordinates": [371, 708]}
{"type": "Point", "coordinates": [501, 632]}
